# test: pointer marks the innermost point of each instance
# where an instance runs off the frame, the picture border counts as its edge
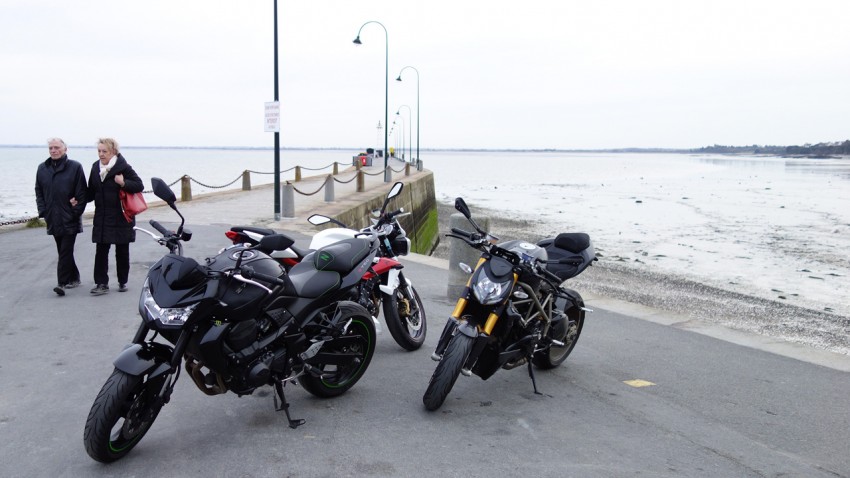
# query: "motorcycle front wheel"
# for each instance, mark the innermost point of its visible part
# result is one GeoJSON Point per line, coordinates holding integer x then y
{"type": "Point", "coordinates": [405, 317]}
{"type": "Point", "coordinates": [337, 377]}
{"type": "Point", "coordinates": [122, 413]}
{"type": "Point", "coordinates": [447, 371]}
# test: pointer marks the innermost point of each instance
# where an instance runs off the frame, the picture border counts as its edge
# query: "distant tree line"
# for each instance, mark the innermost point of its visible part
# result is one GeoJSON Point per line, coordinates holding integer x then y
{"type": "Point", "coordinates": [820, 149]}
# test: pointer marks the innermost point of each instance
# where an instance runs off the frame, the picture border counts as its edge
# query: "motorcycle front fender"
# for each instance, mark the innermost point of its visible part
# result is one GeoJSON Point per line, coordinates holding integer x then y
{"type": "Point", "coordinates": [393, 281]}
{"type": "Point", "coordinates": [147, 358]}
{"type": "Point", "coordinates": [467, 329]}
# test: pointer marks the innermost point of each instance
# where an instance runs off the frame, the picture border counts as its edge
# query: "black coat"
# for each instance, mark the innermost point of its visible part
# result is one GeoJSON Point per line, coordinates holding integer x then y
{"type": "Point", "coordinates": [54, 188]}
{"type": "Point", "coordinates": [109, 225]}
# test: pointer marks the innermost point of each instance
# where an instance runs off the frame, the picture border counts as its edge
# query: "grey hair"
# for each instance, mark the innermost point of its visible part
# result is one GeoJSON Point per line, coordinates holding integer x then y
{"type": "Point", "coordinates": [49, 140]}
{"type": "Point", "coordinates": [109, 143]}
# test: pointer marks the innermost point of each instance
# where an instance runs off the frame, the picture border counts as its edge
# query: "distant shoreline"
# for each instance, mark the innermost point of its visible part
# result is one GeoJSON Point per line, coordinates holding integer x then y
{"type": "Point", "coordinates": [777, 151]}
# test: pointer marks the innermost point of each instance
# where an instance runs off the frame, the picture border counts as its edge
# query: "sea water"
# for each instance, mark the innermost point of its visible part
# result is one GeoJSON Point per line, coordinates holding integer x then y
{"type": "Point", "coordinates": [760, 225]}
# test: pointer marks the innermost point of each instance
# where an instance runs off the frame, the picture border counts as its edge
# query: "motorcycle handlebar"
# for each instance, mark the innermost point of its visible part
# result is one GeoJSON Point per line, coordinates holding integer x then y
{"type": "Point", "coordinates": [249, 273]}
{"type": "Point", "coordinates": [160, 228]}
{"type": "Point", "coordinates": [461, 232]}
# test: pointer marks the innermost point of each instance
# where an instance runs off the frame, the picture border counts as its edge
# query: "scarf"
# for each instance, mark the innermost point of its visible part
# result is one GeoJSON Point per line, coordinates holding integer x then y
{"type": "Point", "coordinates": [104, 169]}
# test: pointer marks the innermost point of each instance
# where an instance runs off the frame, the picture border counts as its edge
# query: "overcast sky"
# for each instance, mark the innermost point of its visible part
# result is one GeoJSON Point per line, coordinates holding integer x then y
{"type": "Point", "coordinates": [493, 74]}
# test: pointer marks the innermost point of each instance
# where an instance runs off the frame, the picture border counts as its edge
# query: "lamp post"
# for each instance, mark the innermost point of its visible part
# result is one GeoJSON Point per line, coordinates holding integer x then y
{"type": "Point", "coordinates": [403, 127]}
{"type": "Point", "coordinates": [409, 126]}
{"type": "Point", "coordinates": [395, 140]}
{"type": "Point", "coordinates": [277, 133]}
{"type": "Point", "coordinates": [386, 86]}
{"type": "Point", "coordinates": [378, 138]}
{"type": "Point", "coordinates": [417, 103]}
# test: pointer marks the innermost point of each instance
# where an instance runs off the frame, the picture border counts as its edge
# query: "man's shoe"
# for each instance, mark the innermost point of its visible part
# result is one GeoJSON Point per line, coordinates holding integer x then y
{"type": "Point", "coordinates": [72, 284]}
{"type": "Point", "coordinates": [59, 291]}
{"type": "Point", "coordinates": [122, 287]}
{"type": "Point", "coordinates": [100, 289]}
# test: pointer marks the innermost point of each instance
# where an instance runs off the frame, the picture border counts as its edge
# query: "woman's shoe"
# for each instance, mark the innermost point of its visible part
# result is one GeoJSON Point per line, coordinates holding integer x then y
{"type": "Point", "coordinates": [100, 289]}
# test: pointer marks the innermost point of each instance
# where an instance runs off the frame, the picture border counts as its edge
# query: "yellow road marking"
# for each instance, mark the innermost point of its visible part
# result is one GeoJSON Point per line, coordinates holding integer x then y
{"type": "Point", "coordinates": [637, 383]}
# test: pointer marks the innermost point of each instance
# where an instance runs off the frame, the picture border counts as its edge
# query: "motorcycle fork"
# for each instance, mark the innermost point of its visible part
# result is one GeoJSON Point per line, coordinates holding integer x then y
{"type": "Point", "coordinates": [141, 333]}
{"type": "Point", "coordinates": [481, 340]}
{"type": "Point", "coordinates": [451, 326]}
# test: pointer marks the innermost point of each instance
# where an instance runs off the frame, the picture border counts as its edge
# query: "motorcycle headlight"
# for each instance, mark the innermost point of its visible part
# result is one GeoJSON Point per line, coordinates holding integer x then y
{"type": "Point", "coordinates": [173, 317]}
{"type": "Point", "coordinates": [489, 292]}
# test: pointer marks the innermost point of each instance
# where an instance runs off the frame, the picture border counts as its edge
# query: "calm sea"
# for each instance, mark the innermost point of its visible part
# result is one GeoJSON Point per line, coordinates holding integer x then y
{"type": "Point", "coordinates": [766, 226]}
{"type": "Point", "coordinates": [210, 167]}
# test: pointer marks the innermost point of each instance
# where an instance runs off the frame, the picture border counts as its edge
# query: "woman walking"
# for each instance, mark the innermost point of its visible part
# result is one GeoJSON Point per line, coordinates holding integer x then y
{"type": "Point", "coordinates": [110, 174]}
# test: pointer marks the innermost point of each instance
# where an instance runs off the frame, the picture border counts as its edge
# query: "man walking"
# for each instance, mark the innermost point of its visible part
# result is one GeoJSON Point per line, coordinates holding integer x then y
{"type": "Point", "coordinates": [60, 191]}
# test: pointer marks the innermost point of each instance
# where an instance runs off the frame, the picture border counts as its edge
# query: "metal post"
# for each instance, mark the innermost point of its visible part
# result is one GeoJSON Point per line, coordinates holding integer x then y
{"type": "Point", "coordinates": [277, 133]}
{"type": "Point", "coordinates": [417, 104]}
{"type": "Point", "coordinates": [357, 41]}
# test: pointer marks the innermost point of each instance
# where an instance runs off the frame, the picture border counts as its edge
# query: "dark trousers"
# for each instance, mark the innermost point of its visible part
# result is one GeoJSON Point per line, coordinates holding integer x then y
{"type": "Point", "coordinates": [66, 268]}
{"type": "Point", "coordinates": [101, 263]}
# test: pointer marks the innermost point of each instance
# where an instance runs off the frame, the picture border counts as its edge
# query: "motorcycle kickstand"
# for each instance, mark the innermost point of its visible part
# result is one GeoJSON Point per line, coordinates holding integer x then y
{"type": "Point", "coordinates": [284, 406]}
{"type": "Point", "coordinates": [533, 380]}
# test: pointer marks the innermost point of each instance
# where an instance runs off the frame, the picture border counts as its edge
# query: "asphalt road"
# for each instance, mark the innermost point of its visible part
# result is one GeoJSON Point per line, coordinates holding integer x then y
{"type": "Point", "coordinates": [713, 408]}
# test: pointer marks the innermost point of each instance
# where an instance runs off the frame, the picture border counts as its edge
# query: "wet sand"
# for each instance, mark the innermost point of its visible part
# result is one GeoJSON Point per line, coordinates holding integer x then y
{"type": "Point", "coordinates": [684, 298]}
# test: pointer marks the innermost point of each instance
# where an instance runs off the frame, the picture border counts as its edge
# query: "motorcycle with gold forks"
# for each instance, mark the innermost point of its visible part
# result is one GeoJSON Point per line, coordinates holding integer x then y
{"type": "Point", "coordinates": [514, 310]}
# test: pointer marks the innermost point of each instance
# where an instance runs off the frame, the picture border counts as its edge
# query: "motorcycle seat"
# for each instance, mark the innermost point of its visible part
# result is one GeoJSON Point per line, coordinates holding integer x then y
{"type": "Point", "coordinates": [572, 241]}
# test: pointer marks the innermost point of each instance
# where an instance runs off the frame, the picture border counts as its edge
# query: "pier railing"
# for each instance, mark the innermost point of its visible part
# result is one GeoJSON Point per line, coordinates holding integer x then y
{"type": "Point", "coordinates": [288, 188]}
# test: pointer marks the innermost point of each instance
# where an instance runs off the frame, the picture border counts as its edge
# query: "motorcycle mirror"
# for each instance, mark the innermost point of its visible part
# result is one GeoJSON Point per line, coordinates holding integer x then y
{"type": "Point", "coordinates": [318, 219]}
{"type": "Point", "coordinates": [461, 206]}
{"type": "Point", "coordinates": [394, 191]}
{"type": "Point", "coordinates": [162, 191]}
{"type": "Point", "coordinates": [275, 242]}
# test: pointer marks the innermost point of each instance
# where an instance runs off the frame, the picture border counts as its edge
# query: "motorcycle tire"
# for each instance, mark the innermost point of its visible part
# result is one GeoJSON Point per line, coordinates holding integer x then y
{"type": "Point", "coordinates": [553, 356]}
{"type": "Point", "coordinates": [343, 377]}
{"type": "Point", "coordinates": [122, 413]}
{"type": "Point", "coordinates": [405, 318]}
{"type": "Point", "coordinates": [447, 371]}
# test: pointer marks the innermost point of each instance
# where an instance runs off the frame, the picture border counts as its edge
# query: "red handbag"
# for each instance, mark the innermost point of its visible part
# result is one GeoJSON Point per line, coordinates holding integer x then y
{"type": "Point", "coordinates": [132, 204]}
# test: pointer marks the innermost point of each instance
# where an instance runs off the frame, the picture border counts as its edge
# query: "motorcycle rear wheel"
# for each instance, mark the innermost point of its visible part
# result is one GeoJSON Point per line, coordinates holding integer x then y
{"type": "Point", "coordinates": [405, 318]}
{"type": "Point", "coordinates": [447, 371]}
{"type": "Point", "coordinates": [343, 377]}
{"type": "Point", "coordinates": [122, 413]}
{"type": "Point", "coordinates": [553, 356]}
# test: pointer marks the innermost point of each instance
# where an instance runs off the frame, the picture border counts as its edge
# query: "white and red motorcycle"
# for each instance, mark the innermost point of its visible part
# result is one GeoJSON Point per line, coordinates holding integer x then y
{"type": "Point", "coordinates": [384, 286]}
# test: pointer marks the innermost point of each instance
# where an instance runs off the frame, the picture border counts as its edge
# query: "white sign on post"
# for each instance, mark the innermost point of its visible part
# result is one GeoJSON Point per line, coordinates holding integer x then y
{"type": "Point", "coordinates": [272, 117]}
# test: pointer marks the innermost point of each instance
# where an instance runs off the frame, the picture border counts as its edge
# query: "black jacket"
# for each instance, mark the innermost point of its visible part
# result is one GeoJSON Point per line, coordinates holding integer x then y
{"type": "Point", "coordinates": [54, 188]}
{"type": "Point", "coordinates": [109, 225]}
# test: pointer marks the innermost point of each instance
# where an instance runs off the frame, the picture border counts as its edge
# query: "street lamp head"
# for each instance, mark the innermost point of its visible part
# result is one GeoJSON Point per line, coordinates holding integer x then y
{"type": "Point", "coordinates": [357, 41]}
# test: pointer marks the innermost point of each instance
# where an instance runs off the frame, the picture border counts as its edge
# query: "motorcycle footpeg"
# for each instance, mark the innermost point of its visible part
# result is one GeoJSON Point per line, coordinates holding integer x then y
{"type": "Point", "coordinates": [316, 372]}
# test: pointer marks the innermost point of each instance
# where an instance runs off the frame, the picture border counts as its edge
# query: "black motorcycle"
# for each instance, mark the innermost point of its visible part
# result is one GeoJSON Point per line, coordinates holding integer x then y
{"type": "Point", "coordinates": [384, 286]}
{"type": "Point", "coordinates": [237, 323]}
{"type": "Point", "coordinates": [514, 310]}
